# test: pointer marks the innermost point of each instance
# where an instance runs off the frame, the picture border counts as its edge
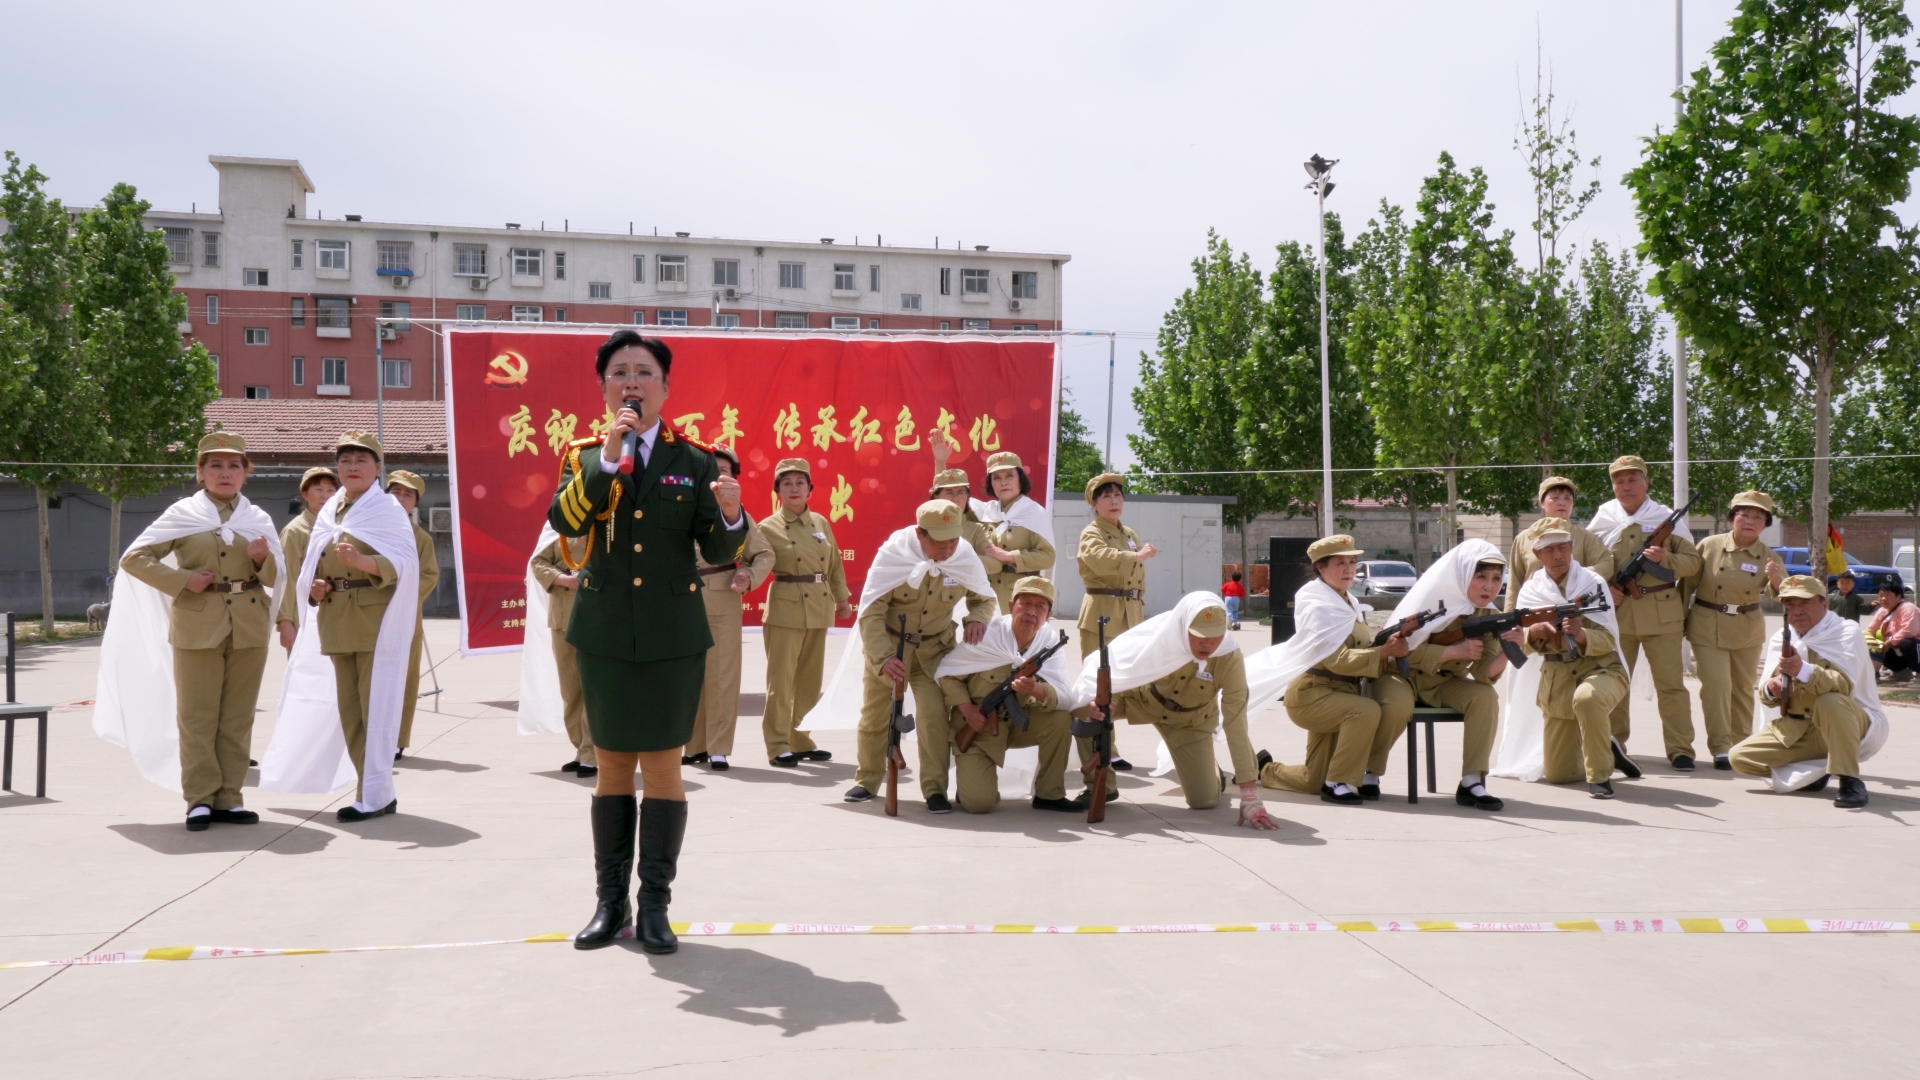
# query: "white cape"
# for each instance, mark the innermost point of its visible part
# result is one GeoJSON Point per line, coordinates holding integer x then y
{"type": "Point", "coordinates": [1151, 651]}
{"type": "Point", "coordinates": [1519, 750]}
{"type": "Point", "coordinates": [134, 698]}
{"type": "Point", "coordinates": [1323, 621]}
{"type": "Point", "coordinates": [898, 562]}
{"type": "Point", "coordinates": [1612, 519]}
{"type": "Point", "coordinates": [308, 753]}
{"type": "Point", "coordinates": [1024, 513]}
{"type": "Point", "coordinates": [1838, 641]}
{"type": "Point", "coordinates": [998, 648]}
{"type": "Point", "coordinates": [541, 707]}
{"type": "Point", "coordinates": [1445, 582]}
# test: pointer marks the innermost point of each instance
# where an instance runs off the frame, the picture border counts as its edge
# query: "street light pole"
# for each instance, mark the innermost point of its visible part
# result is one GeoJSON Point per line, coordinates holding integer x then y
{"type": "Point", "coordinates": [1680, 489]}
{"type": "Point", "coordinates": [1318, 169]}
{"type": "Point", "coordinates": [1110, 338]}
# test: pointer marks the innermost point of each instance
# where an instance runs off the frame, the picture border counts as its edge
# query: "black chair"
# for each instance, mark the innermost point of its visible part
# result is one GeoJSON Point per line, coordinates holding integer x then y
{"type": "Point", "coordinates": [1428, 715]}
{"type": "Point", "coordinates": [13, 710]}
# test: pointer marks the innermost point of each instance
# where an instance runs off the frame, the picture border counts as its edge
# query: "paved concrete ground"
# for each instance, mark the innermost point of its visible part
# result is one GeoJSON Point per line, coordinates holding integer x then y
{"type": "Point", "coordinates": [492, 843]}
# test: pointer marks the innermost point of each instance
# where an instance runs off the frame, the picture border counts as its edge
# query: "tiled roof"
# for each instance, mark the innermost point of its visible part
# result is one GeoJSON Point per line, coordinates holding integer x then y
{"type": "Point", "coordinates": [288, 428]}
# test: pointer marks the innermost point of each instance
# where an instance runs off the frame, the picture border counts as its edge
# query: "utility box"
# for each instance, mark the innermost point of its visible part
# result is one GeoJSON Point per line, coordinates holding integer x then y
{"type": "Point", "coordinates": [1184, 529]}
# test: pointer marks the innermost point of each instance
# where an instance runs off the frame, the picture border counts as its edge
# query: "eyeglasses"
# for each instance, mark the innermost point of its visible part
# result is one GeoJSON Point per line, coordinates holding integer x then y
{"type": "Point", "coordinates": [642, 376]}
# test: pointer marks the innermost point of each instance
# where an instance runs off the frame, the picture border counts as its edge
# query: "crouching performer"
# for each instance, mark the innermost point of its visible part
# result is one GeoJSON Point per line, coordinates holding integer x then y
{"type": "Point", "coordinates": [1011, 690]}
{"type": "Point", "coordinates": [1585, 675]}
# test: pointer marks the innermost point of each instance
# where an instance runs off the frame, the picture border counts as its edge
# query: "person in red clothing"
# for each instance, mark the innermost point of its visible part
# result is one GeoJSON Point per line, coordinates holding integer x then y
{"type": "Point", "coordinates": [1234, 594]}
{"type": "Point", "coordinates": [1896, 627]}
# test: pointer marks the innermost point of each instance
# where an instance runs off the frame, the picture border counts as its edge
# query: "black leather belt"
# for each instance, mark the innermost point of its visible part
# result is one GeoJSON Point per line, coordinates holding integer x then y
{"type": "Point", "coordinates": [1124, 594]}
{"type": "Point", "coordinates": [1726, 609]}
{"type": "Point", "coordinates": [801, 579]}
{"type": "Point", "coordinates": [1323, 673]}
{"type": "Point", "coordinates": [1174, 705]}
{"type": "Point", "coordinates": [712, 570]}
{"type": "Point", "coordinates": [912, 639]}
{"type": "Point", "coordinates": [236, 586]}
{"type": "Point", "coordinates": [341, 583]}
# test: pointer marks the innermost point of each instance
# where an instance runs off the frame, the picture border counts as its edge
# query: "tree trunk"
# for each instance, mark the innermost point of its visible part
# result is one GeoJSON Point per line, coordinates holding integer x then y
{"type": "Point", "coordinates": [1822, 434]}
{"type": "Point", "coordinates": [1413, 529]}
{"type": "Point", "coordinates": [1453, 509]}
{"type": "Point", "coordinates": [113, 538]}
{"type": "Point", "coordinates": [1246, 571]}
{"type": "Point", "coordinates": [46, 562]}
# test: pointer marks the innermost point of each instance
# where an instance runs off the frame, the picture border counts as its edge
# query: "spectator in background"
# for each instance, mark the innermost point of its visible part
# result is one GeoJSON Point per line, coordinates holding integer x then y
{"type": "Point", "coordinates": [1892, 634]}
{"type": "Point", "coordinates": [1848, 602]}
{"type": "Point", "coordinates": [1235, 594]}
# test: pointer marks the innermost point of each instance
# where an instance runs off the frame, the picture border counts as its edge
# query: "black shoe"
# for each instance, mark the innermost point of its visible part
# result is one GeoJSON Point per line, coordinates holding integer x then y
{"type": "Point", "coordinates": [856, 793]}
{"type": "Point", "coordinates": [815, 755]}
{"type": "Point", "coordinates": [1853, 794]}
{"type": "Point", "coordinates": [1602, 790]}
{"type": "Point", "coordinates": [787, 760]}
{"type": "Point", "coordinates": [236, 816]}
{"type": "Point", "coordinates": [1818, 785]}
{"type": "Point", "coordinates": [663, 825]}
{"type": "Point", "coordinates": [1261, 760]}
{"type": "Point", "coordinates": [693, 759]}
{"type": "Point", "coordinates": [199, 823]}
{"type": "Point", "coordinates": [1683, 762]}
{"type": "Point", "coordinates": [1722, 763]}
{"type": "Point", "coordinates": [1622, 762]}
{"type": "Point", "coordinates": [1370, 792]}
{"type": "Point", "coordinates": [937, 803]}
{"type": "Point", "coordinates": [1465, 797]}
{"type": "Point", "coordinates": [348, 813]}
{"type": "Point", "coordinates": [1122, 764]}
{"type": "Point", "coordinates": [1350, 798]}
{"type": "Point", "coordinates": [252, 763]}
{"type": "Point", "coordinates": [1235, 626]}
{"type": "Point", "coordinates": [614, 818]}
{"type": "Point", "coordinates": [587, 772]}
{"type": "Point", "coordinates": [1085, 798]}
{"type": "Point", "coordinates": [1063, 805]}
{"type": "Point", "coordinates": [574, 766]}
{"type": "Point", "coordinates": [719, 764]}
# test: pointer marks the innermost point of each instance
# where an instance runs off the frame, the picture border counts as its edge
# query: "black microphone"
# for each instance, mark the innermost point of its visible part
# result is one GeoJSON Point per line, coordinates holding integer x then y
{"type": "Point", "coordinates": [630, 445]}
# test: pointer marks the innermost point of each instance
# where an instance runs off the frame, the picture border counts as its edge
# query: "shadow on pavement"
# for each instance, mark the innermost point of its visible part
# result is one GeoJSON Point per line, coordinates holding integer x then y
{"type": "Point", "coordinates": [400, 828]}
{"type": "Point", "coordinates": [814, 774]}
{"type": "Point", "coordinates": [1125, 821]}
{"type": "Point", "coordinates": [422, 764]}
{"type": "Point", "coordinates": [749, 987]}
{"type": "Point", "coordinates": [1443, 805]}
{"type": "Point", "coordinates": [174, 839]}
{"type": "Point", "coordinates": [15, 799]}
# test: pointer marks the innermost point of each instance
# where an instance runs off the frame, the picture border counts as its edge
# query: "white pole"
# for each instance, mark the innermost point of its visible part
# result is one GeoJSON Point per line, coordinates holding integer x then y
{"type": "Point", "coordinates": [1680, 489]}
{"type": "Point", "coordinates": [380, 399]}
{"type": "Point", "coordinates": [1326, 399]}
{"type": "Point", "coordinates": [1110, 349]}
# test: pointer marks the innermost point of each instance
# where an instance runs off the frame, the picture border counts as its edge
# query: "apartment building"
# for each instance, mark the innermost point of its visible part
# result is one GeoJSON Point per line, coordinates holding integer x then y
{"type": "Point", "coordinates": [292, 303]}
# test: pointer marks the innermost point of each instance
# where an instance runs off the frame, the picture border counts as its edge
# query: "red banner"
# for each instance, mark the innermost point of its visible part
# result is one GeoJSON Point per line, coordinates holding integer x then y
{"type": "Point", "coordinates": [858, 409]}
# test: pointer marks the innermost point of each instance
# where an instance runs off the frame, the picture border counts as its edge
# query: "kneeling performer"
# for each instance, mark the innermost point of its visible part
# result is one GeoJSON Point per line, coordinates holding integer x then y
{"type": "Point", "coordinates": [1585, 676]}
{"type": "Point", "coordinates": [1009, 691]}
{"type": "Point", "coordinates": [1454, 661]}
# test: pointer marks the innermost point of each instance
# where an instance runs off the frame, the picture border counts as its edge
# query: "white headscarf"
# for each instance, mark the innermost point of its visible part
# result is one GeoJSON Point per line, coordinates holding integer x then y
{"type": "Point", "coordinates": [134, 692]}
{"type": "Point", "coordinates": [1839, 642]}
{"type": "Point", "coordinates": [1151, 651]}
{"type": "Point", "coordinates": [541, 708]}
{"type": "Point", "coordinates": [1446, 582]}
{"type": "Point", "coordinates": [1323, 620]}
{"type": "Point", "coordinates": [1612, 519]}
{"type": "Point", "coordinates": [998, 648]}
{"type": "Point", "coordinates": [1520, 750]}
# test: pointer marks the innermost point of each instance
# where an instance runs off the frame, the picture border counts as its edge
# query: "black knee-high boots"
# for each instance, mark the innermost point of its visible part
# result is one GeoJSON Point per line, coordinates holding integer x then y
{"type": "Point", "coordinates": [614, 817]}
{"type": "Point", "coordinates": [663, 825]}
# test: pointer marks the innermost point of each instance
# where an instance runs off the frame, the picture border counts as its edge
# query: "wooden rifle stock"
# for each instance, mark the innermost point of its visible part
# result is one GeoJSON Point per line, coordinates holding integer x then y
{"type": "Point", "coordinates": [1629, 576]}
{"type": "Point", "coordinates": [1786, 680]}
{"type": "Point", "coordinates": [1404, 627]}
{"type": "Point", "coordinates": [1002, 698]}
{"type": "Point", "coordinates": [1103, 741]}
{"type": "Point", "coordinates": [898, 724]}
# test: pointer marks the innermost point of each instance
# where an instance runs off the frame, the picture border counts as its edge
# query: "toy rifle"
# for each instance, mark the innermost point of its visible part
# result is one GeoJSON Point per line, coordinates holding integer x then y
{"type": "Point", "coordinates": [1629, 576]}
{"type": "Point", "coordinates": [1407, 626]}
{"type": "Point", "coordinates": [898, 724]}
{"type": "Point", "coordinates": [1500, 622]}
{"type": "Point", "coordinates": [1003, 699]}
{"type": "Point", "coordinates": [1101, 732]}
{"type": "Point", "coordinates": [1786, 680]}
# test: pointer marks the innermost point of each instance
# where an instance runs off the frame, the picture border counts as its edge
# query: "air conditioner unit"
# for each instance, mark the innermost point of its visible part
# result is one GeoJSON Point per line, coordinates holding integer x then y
{"type": "Point", "coordinates": [388, 333]}
{"type": "Point", "coordinates": [440, 519]}
{"type": "Point", "coordinates": [478, 284]}
{"type": "Point", "coordinates": [733, 294]}
{"type": "Point", "coordinates": [401, 281]}
{"type": "Point", "coordinates": [1013, 305]}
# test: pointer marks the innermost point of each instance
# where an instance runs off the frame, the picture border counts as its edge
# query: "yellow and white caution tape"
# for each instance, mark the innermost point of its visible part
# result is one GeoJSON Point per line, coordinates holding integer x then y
{"type": "Point", "coordinates": [1753, 925]}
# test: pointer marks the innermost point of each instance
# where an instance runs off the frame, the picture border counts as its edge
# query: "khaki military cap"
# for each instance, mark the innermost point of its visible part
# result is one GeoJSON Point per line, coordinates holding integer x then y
{"type": "Point", "coordinates": [947, 478]}
{"type": "Point", "coordinates": [1034, 586]}
{"type": "Point", "coordinates": [1328, 546]}
{"type": "Point", "coordinates": [792, 464]}
{"type": "Point", "coordinates": [1103, 480]}
{"type": "Point", "coordinates": [1552, 482]}
{"type": "Point", "coordinates": [1495, 558]}
{"type": "Point", "coordinates": [1003, 460]}
{"type": "Point", "coordinates": [222, 442]}
{"type": "Point", "coordinates": [1759, 500]}
{"type": "Point", "coordinates": [941, 519]}
{"type": "Point", "coordinates": [1627, 463]}
{"type": "Point", "coordinates": [318, 472]}
{"type": "Point", "coordinates": [1803, 587]}
{"type": "Point", "coordinates": [1550, 537]}
{"type": "Point", "coordinates": [407, 480]}
{"type": "Point", "coordinates": [361, 440]}
{"type": "Point", "coordinates": [1209, 622]}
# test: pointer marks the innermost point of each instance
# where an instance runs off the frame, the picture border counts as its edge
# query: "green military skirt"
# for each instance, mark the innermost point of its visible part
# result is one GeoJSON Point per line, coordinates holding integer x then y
{"type": "Point", "coordinates": [636, 707]}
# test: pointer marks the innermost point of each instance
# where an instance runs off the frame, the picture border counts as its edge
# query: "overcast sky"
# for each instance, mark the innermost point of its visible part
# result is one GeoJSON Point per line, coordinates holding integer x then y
{"type": "Point", "coordinates": [1115, 132]}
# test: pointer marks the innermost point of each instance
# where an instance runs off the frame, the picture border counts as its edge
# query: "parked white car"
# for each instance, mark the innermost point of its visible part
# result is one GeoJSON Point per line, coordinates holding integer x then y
{"type": "Point", "coordinates": [1378, 577]}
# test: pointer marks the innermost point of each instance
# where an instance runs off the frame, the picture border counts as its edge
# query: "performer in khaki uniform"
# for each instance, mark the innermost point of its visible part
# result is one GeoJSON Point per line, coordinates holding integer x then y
{"type": "Point", "coordinates": [1556, 502]}
{"type": "Point", "coordinates": [317, 485]}
{"type": "Point", "coordinates": [1815, 691]}
{"type": "Point", "coordinates": [219, 626]}
{"type": "Point", "coordinates": [1347, 696]}
{"type": "Point", "coordinates": [721, 588]}
{"type": "Point", "coordinates": [808, 593]}
{"type": "Point", "coordinates": [408, 489]}
{"type": "Point", "coordinates": [1654, 622]}
{"type": "Point", "coordinates": [922, 572]}
{"type": "Point", "coordinates": [1724, 623]}
{"type": "Point", "coordinates": [562, 586]}
{"type": "Point", "coordinates": [1015, 539]}
{"type": "Point", "coordinates": [1206, 694]}
{"type": "Point", "coordinates": [1460, 675]}
{"type": "Point", "coordinates": [1047, 697]}
{"type": "Point", "coordinates": [953, 486]}
{"type": "Point", "coordinates": [1113, 569]}
{"type": "Point", "coordinates": [1583, 679]}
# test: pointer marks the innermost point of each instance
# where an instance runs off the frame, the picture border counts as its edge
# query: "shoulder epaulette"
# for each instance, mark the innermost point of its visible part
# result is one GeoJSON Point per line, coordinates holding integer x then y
{"type": "Point", "coordinates": [707, 446]}
{"type": "Point", "coordinates": [594, 440]}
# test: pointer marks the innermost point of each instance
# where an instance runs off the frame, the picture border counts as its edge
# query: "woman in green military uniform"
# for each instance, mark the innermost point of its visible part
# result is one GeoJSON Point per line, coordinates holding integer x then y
{"type": "Point", "coordinates": [639, 626]}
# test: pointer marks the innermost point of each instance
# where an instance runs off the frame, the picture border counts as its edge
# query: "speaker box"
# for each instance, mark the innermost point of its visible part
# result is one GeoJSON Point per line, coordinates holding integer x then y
{"type": "Point", "coordinates": [1288, 569]}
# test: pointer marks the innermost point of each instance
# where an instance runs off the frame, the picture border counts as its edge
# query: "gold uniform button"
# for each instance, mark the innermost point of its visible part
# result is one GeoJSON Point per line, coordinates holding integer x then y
{"type": "Point", "coordinates": [636, 582]}
{"type": "Point", "coordinates": [639, 513]}
{"type": "Point", "coordinates": [636, 549]}
{"type": "Point", "coordinates": [691, 587]}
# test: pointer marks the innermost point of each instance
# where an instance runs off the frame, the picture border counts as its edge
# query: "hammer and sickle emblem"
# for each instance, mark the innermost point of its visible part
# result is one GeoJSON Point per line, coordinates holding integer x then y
{"type": "Point", "coordinates": [507, 369]}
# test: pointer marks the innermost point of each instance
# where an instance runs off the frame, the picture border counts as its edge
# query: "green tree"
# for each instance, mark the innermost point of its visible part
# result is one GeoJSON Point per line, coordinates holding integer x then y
{"type": "Point", "coordinates": [1769, 208]}
{"type": "Point", "coordinates": [1724, 430]}
{"type": "Point", "coordinates": [1622, 380]}
{"type": "Point", "coordinates": [1076, 459]}
{"type": "Point", "coordinates": [153, 392]}
{"type": "Point", "coordinates": [1892, 406]}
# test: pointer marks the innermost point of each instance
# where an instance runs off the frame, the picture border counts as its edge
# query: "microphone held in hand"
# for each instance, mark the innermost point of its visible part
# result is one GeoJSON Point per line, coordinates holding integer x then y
{"type": "Point", "coordinates": [630, 444]}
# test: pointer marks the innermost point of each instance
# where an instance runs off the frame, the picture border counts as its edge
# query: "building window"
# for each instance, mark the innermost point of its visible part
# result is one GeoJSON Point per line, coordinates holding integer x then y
{"type": "Point", "coordinates": [599, 290]}
{"type": "Point", "coordinates": [258, 393]}
{"type": "Point", "coordinates": [846, 322]}
{"type": "Point", "coordinates": [255, 335]}
{"type": "Point", "coordinates": [469, 260]}
{"type": "Point", "coordinates": [946, 281]}
{"type": "Point", "coordinates": [1026, 285]}
{"type": "Point", "coordinates": [910, 301]}
{"type": "Point", "coordinates": [398, 312]}
{"type": "Point", "coordinates": [945, 325]}
{"type": "Point", "coordinates": [299, 371]}
{"type": "Point", "coordinates": [396, 374]}
{"type": "Point", "coordinates": [526, 262]}
{"type": "Point", "coordinates": [333, 254]}
{"type": "Point", "coordinates": [973, 283]}
{"type": "Point", "coordinates": [299, 310]}
{"type": "Point", "coordinates": [299, 253]}
{"type": "Point", "coordinates": [793, 275]}
{"type": "Point", "coordinates": [211, 240]}
{"type": "Point", "coordinates": [526, 313]}
{"type": "Point", "coordinates": [396, 256]}
{"type": "Point", "coordinates": [333, 371]}
{"type": "Point", "coordinates": [215, 357]}
{"type": "Point", "coordinates": [331, 312]}
{"type": "Point", "coordinates": [843, 277]}
{"type": "Point", "coordinates": [789, 322]}
{"type": "Point", "coordinates": [470, 312]}
{"type": "Point", "coordinates": [640, 317]}
{"type": "Point", "coordinates": [726, 272]}
{"type": "Point", "coordinates": [672, 317]}
{"type": "Point", "coordinates": [213, 310]}
{"type": "Point", "coordinates": [180, 247]}
{"type": "Point", "coordinates": [975, 324]}
{"type": "Point", "coordinates": [639, 268]}
{"type": "Point", "coordinates": [559, 314]}
{"type": "Point", "coordinates": [559, 266]}
{"type": "Point", "coordinates": [726, 321]}
{"type": "Point", "coordinates": [873, 279]}
{"type": "Point", "coordinates": [1026, 326]}
{"type": "Point", "coordinates": [672, 268]}
{"type": "Point", "coordinates": [254, 277]}
{"type": "Point", "coordinates": [873, 324]}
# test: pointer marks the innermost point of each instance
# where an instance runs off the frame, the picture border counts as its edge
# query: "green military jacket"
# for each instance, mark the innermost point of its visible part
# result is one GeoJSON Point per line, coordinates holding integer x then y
{"type": "Point", "coordinates": [639, 597]}
{"type": "Point", "coordinates": [204, 620]}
